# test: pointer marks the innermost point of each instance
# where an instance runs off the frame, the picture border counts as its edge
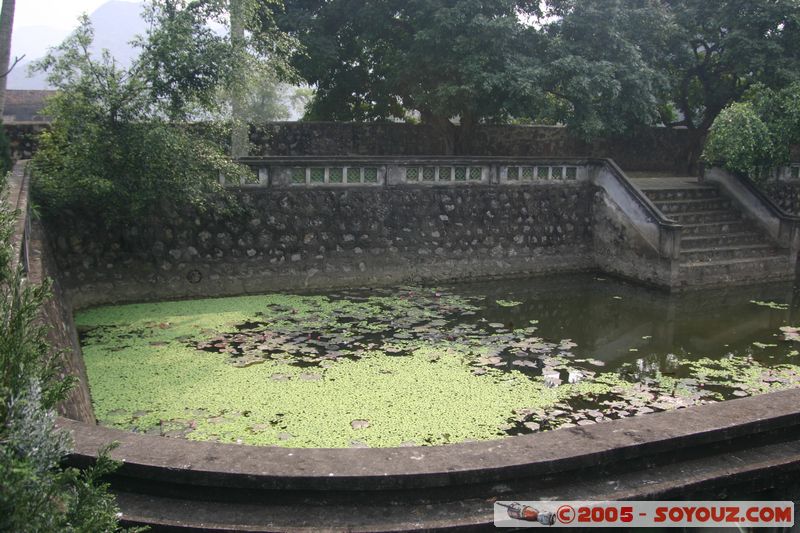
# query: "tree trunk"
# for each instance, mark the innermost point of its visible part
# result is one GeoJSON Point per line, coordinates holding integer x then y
{"type": "Point", "coordinates": [694, 164]}
{"type": "Point", "coordinates": [466, 129]}
{"type": "Point", "coordinates": [6, 26]}
{"type": "Point", "coordinates": [443, 128]}
{"type": "Point", "coordinates": [240, 129]}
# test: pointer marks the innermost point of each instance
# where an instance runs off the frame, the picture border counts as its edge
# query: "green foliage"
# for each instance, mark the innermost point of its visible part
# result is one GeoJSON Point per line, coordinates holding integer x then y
{"type": "Point", "coordinates": [24, 354]}
{"type": "Point", "coordinates": [720, 49]}
{"type": "Point", "coordinates": [780, 110]}
{"type": "Point", "coordinates": [739, 140]}
{"type": "Point", "coordinates": [600, 65]}
{"type": "Point", "coordinates": [35, 493]}
{"type": "Point", "coordinates": [6, 163]}
{"type": "Point", "coordinates": [386, 60]}
{"type": "Point", "coordinates": [111, 149]}
{"type": "Point", "coordinates": [183, 60]}
{"type": "Point", "coordinates": [754, 136]}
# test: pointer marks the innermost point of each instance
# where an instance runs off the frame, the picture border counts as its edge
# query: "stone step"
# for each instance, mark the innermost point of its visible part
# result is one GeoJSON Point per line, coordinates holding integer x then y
{"type": "Point", "coordinates": [726, 253]}
{"type": "Point", "coordinates": [657, 195]}
{"type": "Point", "coordinates": [716, 228]}
{"type": "Point", "coordinates": [669, 207]}
{"type": "Point", "coordinates": [749, 270]}
{"type": "Point", "coordinates": [720, 239]}
{"type": "Point", "coordinates": [706, 217]}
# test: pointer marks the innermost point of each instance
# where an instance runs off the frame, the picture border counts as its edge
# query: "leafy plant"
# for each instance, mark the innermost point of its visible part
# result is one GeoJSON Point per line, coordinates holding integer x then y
{"type": "Point", "coordinates": [740, 141]}
{"type": "Point", "coordinates": [36, 494]}
{"type": "Point", "coordinates": [6, 161]}
{"type": "Point", "coordinates": [111, 148]}
{"type": "Point", "coordinates": [754, 136]}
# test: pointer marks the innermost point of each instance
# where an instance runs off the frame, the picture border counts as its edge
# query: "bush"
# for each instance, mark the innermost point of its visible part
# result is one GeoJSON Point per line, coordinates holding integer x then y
{"type": "Point", "coordinates": [36, 494]}
{"type": "Point", "coordinates": [5, 152]}
{"type": "Point", "coordinates": [755, 136]}
{"type": "Point", "coordinates": [740, 141]}
{"type": "Point", "coordinates": [110, 148]}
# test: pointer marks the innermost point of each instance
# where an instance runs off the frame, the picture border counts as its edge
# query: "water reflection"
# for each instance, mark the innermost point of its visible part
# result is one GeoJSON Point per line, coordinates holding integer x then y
{"type": "Point", "coordinates": [620, 323]}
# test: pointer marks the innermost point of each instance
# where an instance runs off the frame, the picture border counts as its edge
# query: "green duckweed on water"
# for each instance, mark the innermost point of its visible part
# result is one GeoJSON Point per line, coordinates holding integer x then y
{"type": "Point", "coordinates": [411, 366]}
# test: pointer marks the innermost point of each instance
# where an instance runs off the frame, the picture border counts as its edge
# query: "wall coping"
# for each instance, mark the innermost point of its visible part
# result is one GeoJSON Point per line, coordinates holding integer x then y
{"type": "Point", "coordinates": [252, 467]}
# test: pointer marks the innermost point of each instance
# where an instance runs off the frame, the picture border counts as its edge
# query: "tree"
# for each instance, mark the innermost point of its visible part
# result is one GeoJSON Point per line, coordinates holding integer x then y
{"type": "Point", "coordinates": [186, 59]}
{"type": "Point", "coordinates": [6, 28]}
{"type": "Point", "coordinates": [111, 147]}
{"type": "Point", "coordinates": [739, 141]}
{"type": "Point", "coordinates": [780, 111]}
{"type": "Point", "coordinates": [601, 69]}
{"type": "Point", "coordinates": [443, 62]}
{"type": "Point", "coordinates": [723, 48]}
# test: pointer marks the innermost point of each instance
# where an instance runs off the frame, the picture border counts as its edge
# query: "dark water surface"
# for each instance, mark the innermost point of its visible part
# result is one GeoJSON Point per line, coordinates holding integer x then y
{"type": "Point", "coordinates": [375, 366]}
{"type": "Point", "coordinates": [623, 324]}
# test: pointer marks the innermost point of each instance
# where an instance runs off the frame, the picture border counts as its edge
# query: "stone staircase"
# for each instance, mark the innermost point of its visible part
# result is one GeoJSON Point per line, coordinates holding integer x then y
{"type": "Point", "coordinates": [719, 244]}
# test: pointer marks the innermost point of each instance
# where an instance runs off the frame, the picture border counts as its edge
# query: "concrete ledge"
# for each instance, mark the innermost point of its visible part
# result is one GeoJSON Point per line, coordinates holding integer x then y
{"type": "Point", "coordinates": [261, 468]}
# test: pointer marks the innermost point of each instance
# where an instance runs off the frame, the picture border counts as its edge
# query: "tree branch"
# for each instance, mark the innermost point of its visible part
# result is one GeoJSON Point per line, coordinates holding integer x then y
{"type": "Point", "coordinates": [16, 61]}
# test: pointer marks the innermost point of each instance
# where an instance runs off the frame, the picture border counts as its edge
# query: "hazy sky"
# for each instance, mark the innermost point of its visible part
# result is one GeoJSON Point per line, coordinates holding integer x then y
{"type": "Point", "coordinates": [56, 13]}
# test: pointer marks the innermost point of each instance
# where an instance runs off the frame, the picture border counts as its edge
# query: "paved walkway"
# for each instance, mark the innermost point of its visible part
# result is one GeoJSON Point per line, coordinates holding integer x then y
{"type": "Point", "coordinates": [649, 180]}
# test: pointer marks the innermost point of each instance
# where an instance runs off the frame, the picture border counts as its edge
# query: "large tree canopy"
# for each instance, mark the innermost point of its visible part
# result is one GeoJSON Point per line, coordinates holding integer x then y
{"type": "Point", "coordinates": [720, 49]}
{"type": "Point", "coordinates": [598, 65]}
{"type": "Point", "coordinates": [600, 68]}
{"type": "Point", "coordinates": [440, 60]}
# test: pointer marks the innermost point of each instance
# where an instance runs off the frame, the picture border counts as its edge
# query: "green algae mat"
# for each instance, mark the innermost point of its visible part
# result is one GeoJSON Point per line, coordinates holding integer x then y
{"type": "Point", "coordinates": [420, 366]}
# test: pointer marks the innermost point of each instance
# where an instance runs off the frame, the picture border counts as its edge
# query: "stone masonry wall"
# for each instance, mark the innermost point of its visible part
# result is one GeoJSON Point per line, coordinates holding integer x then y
{"type": "Point", "coordinates": [55, 312]}
{"type": "Point", "coordinates": [786, 194]}
{"type": "Point", "coordinates": [320, 238]}
{"type": "Point", "coordinates": [654, 149]}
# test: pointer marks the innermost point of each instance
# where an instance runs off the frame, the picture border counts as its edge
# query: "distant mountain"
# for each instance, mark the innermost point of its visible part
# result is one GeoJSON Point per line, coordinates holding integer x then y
{"type": "Point", "coordinates": [116, 23]}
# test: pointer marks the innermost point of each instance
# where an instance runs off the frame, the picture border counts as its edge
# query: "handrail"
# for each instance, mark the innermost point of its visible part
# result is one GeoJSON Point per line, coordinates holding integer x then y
{"type": "Point", "coordinates": [643, 200]}
{"type": "Point", "coordinates": [774, 208]}
{"type": "Point", "coordinates": [784, 227]}
{"type": "Point", "coordinates": [252, 160]}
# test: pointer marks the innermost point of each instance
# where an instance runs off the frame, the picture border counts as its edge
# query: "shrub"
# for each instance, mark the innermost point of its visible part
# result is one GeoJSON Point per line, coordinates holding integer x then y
{"type": "Point", "coordinates": [740, 141]}
{"type": "Point", "coordinates": [5, 152]}
{"type": "Point", "coordinates": [111, 149]}
{"type": "Point", "coordinates": [36, 494]}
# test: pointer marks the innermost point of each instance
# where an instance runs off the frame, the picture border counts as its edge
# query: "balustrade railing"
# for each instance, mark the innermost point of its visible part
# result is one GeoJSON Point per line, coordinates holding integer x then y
{"type": "Point", "coordinates": [374, 171]}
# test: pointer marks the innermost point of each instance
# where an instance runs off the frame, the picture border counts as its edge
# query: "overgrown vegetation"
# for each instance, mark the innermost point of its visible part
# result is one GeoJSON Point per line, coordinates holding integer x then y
{"type": "Point", "coordinates": [111, 148]}
{"type": "Point", "coordinates": [599, 66]}
{"type": "Point", "coordinates": [36, 493]}
{"type": "Point", "coordinates": [753, 137]}
{"type": "Point", "coordinates": [5, 152]}
{"type": "Point", "coordinates": [119, 144]}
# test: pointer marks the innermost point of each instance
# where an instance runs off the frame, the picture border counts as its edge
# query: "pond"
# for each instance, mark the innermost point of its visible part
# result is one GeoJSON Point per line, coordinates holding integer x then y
{"type": "Point", "coordinates": [432, 365]}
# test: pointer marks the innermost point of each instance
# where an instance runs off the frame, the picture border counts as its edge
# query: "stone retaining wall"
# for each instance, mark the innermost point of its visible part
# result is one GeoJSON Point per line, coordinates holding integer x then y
{"type": "Point", "coordinates": [327, 237]}
{"type": "Point", "coordinates": [652, 149]}
{"type": "Point", "coordinates": [32, 250]}
{"type": "Point", "coordinates": [786, 194]}
{"type": "Point", "coordinates": [22, 138]}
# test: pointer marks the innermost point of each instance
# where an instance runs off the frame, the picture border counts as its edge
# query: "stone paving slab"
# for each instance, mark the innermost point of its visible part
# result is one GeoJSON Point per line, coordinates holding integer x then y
{"type": "Point", "coordinates": [664, 182]}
